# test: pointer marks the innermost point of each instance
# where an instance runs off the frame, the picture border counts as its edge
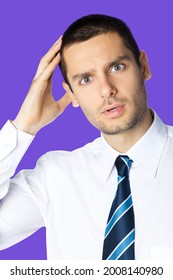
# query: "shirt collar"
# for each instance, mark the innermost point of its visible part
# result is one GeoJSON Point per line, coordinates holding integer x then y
{"type": "Point", "coordinates": [146, 152]}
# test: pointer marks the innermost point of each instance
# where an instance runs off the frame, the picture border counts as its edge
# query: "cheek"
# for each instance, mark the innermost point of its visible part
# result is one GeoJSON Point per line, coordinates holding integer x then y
{"type": "Point", "coordinates": [133, 86]}
{"type": "Point", "coordinates": [87, 98]}
{"type": "Point", "coordinates": [88, 105]}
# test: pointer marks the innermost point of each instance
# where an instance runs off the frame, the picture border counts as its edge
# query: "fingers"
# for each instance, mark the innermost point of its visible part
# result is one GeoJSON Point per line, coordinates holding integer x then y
{"type": "Point", "coordinates": [48, 71]}
{"type": "Point", "coordinates": [48, 57]}
{"type": "Point", "coordinates": [59, 39]}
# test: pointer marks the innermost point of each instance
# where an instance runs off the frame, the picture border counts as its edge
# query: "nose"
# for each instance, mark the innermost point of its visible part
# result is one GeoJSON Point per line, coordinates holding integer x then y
{"type": "Point", "coordinates": [107, 89]}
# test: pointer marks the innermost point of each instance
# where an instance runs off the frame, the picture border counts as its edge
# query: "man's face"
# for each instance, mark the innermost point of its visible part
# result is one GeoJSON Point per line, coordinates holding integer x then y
{"type": "Point", "coordinates": [107, 83]}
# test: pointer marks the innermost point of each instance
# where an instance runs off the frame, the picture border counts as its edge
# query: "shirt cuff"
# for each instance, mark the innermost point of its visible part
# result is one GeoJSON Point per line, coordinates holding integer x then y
{"type": "Point", "coordinates": [12, 140]}
{"type": "Point", "coordinates": [13, 145]}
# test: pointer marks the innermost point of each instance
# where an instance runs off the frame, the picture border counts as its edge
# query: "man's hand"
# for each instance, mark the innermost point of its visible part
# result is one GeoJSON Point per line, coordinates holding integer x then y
{"type": "Point", "coordinates": [39, 107]}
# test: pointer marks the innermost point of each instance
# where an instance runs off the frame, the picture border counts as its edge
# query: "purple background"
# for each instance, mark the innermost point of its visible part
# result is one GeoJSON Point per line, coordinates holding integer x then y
{"type": "Point", "coordinates": [29, 28]}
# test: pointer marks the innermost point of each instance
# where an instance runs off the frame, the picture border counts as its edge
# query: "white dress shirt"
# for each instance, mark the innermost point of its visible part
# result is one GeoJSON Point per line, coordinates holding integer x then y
{"type": "Point", "coordinates": [70, 193]}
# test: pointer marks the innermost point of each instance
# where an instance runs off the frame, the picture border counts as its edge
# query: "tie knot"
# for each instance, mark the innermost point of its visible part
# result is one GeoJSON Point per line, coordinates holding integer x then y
{"type": "Point", "coordinates": [123, 164]}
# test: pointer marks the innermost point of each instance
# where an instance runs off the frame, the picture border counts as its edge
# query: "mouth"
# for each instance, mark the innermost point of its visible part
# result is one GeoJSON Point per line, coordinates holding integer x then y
{"type": "Point", "coordinates": [112, 107]}
{"type": "Point", "coordinates": [113, 111]}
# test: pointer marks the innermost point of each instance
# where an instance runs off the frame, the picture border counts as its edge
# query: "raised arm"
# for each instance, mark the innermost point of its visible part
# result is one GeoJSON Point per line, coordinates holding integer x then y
{"type": "Point", "coordinates": [39, 107]}
{"type": "Point", "coordinates": [20, 213]}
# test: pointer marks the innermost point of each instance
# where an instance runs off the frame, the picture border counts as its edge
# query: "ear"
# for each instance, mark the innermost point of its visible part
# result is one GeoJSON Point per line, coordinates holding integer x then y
{"type": "Point", "coordinates": [71, 94]}
{"type": "Point", "coordinates": [144, 66]}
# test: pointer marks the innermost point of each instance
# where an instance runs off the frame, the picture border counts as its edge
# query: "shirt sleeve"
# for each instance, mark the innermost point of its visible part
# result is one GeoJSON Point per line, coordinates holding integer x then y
{"type": "Point", "coordinates": [20, 213]}
{"type": "Point", "coordinates": [13, 145]}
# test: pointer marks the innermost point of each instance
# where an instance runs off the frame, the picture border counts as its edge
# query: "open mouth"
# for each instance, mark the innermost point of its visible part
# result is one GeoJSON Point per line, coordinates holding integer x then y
{"type": "Point", "coordinates": [114, 112]}
{"type": "Point", "coordinates": [112, 109]}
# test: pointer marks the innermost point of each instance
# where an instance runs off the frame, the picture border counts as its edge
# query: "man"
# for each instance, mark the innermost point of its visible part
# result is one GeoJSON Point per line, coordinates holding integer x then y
{"type": "Point", "coordinates": [72, 193]}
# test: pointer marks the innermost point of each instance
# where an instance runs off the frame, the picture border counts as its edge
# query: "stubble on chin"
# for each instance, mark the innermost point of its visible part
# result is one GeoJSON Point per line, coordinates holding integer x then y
{"type": "Point", "coordinates": [119, 126]}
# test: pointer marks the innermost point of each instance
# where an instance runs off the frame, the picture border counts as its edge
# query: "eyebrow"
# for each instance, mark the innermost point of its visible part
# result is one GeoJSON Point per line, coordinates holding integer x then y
{"type": "Point", "coordinates": [108, 65]}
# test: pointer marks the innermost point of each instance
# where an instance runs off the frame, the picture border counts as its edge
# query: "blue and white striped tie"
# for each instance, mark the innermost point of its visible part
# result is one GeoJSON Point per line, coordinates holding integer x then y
{"type": "Point", "coordinates": [120, 230]}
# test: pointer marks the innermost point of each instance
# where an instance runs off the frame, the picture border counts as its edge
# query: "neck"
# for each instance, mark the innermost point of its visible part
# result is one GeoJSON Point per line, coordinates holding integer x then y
{"type": "Point", "coordinates": [122, 142]}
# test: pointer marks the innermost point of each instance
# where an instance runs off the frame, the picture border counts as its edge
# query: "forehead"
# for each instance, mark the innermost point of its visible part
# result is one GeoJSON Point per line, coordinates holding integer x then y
{"type": "Point", "coordinates": [94, 52]}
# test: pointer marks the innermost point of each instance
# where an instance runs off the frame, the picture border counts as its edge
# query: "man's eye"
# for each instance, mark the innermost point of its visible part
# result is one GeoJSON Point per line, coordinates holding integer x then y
{"type": "Point", "coordinates": [85, 80]}
{"type": "Point", "coordinates": [117, 67]}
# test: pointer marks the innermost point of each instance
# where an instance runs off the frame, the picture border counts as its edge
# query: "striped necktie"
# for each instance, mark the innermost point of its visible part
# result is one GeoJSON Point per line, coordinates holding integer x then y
{"type": "Point", "coordinates": [120, 228]}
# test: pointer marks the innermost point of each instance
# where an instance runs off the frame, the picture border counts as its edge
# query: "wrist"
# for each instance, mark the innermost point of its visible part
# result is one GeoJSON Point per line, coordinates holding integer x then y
{"type": "Point", "coordinates": [25, 127]}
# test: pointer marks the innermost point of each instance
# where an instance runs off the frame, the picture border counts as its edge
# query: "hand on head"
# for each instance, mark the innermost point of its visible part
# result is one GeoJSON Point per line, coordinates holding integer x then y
{"type": "Point", "coordinates": [39, 107]}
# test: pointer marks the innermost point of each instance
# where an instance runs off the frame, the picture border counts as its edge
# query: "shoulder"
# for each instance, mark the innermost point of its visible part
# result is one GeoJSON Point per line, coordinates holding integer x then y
{"type": "Point", "coordinates": [88, 152]}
